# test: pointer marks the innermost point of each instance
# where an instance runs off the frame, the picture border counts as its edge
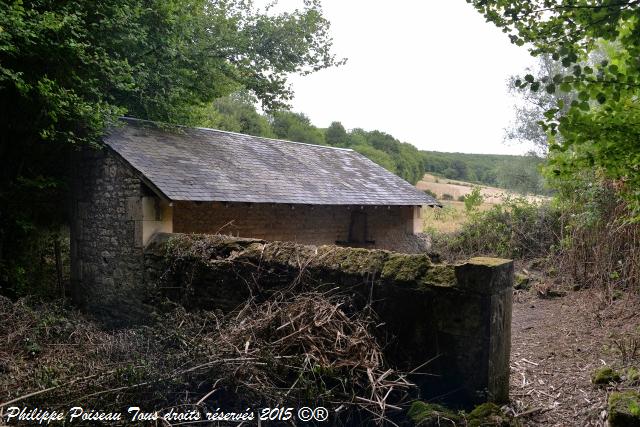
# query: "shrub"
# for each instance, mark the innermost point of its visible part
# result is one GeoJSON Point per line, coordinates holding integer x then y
{"type": "Point", "coordinates": [447, 196]}
{"type": "Point", "coordinates": [430, 193]}
{"type": "Point", "coordinates": [514, 229]}
{"type": "Point", "coordinates": [600, 238]}
{"type": "Point", "coordinates": [473, 200]}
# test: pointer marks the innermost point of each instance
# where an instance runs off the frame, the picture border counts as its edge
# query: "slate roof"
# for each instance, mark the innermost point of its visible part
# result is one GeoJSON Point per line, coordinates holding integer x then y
{"type": "Point", "coordinates": [200, 164]}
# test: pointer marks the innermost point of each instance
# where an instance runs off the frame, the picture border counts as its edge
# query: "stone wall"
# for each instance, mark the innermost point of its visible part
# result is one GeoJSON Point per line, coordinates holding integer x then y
{"type": "Point", "coordinates": [106, 237]}
{"type": "Point", "coordinates": [391, 228]}
{"type": "Point", "coordinates": [455, 317]}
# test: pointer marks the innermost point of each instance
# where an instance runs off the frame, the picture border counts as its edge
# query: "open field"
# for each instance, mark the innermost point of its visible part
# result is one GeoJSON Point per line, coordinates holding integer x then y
{"type": "Point", "coordinates": [447, 219]}
{"type": "Point", "coordinates": [453, 214]}
{"type": "Point", "coordinates": [456, 189]}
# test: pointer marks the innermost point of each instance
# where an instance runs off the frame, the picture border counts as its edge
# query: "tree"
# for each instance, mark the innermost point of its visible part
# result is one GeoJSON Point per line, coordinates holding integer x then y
{"type": "Point", "coordinates": [377, 156]}
{"type": "Point", "coordinates": [600, 128]}
{"type": "Point", "coordinates": [526, 127]}
{"type": "Point", "coordinates": [295, 127]}
{"type": "Point", "coordinates": [336, 135]}
{"type": "Point", "coordinates": [236, 113]}
{"type": "Point", "coordinates": [69, 69]}
{"type": "Point", "coordinates": [522, 174]}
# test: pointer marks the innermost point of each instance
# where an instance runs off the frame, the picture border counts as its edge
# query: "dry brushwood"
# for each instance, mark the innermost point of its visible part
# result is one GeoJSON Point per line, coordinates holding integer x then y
{"type": "Point", "coordinates": [313, 328]}
{"type": "Point", "coordinates": [290, 349]}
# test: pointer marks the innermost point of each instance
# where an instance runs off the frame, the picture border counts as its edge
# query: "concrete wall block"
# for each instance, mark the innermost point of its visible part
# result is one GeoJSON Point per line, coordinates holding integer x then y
{"type": "Point", "coordinates": [457, 316]}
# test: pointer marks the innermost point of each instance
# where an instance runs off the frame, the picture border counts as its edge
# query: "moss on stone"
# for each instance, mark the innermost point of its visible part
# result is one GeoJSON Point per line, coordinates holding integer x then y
{"type": "Point", "coordinates": [632, 375]}
{"type": "Point", "coordinates": [430, 415]}
{"type": "Point", "coordinates": [624, 409]}
{"type": "Point", "coordinates": [440, 275]}
{"type": "Point", "coordinates": [352, 260]}
{"type": "Point", "coordinates": [489, 262]}
{"type": "Point", "coordinates": [489, 414]}
{"type": "Point", "coordinates": [406, 268]}
{"type": "Point", "coordinates": [522, 281]}
{"type": "Point", "coordinates": [605, 376]}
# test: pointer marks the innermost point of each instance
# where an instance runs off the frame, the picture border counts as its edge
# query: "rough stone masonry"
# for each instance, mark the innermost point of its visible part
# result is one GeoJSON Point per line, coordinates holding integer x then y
{"type": "Point", "coordinates": [455, 317]}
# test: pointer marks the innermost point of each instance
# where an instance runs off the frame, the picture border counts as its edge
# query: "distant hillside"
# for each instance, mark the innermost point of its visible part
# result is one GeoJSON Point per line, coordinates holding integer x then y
{"type": "Point", "coordinates": [517, 173]}
{"type": "Point", "coordinates": [453, 190]}
{"type": "Point", "coordinates": [237, 113]}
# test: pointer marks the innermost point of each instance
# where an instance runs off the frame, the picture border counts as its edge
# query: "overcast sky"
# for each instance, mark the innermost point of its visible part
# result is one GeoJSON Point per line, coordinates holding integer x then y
{"type": "Point", "coordinates": [429, 72]}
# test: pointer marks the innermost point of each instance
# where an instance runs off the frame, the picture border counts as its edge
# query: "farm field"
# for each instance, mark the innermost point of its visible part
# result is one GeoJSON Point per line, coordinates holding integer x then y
{"type": "Point", "coordinates": [443, 186]}
{"type": "Point", "coordinates": [453, 214]}
{"type": "Point", "coordinates": [447, 219]}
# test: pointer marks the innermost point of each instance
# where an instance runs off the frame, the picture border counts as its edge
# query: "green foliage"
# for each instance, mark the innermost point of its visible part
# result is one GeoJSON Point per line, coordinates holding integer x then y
{"type": "Point", "coordinates": [377, 156]}
{"type": "Point", "coordinates": [624, 409]}
{"type": "Point", "coordinates": [447, 196]}
{"type": "Point", "coordinates": [514, 229]}
{"type": "Point", "coordinates": [236, 113]}
{"type": "Point", "coordinates": [598, 245]}
{"type": "Point", "coordinates": [518, 173]}
{"type": "Point", "coordinates": [295, 127]}
{"type": "Point", "coordinates": [605, 376]}
{"type": "Point", "coordinates": [431, 414]}
{"type": "Point", "coordinates": [522, 175]}
{"type": "Point", "coordinates": [430, 193]}
{"type": "Point", "coordinates": [598, 45]}
{"type": "Point", "coordinates": [69, 69]}
{"type": "Point", "coordinates": [473, 200]}
{"type": "Point", "coordinates": [336, 135]}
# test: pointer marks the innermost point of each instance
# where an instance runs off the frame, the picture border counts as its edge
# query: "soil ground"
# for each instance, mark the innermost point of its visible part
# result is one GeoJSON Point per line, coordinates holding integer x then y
{"type": "Point", "coordinates": [557, 343]}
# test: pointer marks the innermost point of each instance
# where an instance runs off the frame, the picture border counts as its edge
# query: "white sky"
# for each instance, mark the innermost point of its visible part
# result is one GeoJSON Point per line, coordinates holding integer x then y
{"type": "Point", "coordinates": [429, 72]}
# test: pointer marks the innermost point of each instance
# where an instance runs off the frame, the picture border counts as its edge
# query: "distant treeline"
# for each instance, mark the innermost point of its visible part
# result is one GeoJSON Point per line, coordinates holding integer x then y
{"type": "Point", "coordinates": [237, 113]}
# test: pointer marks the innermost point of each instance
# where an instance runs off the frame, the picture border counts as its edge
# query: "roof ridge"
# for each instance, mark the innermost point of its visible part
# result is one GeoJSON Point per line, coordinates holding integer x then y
{"type": "Point", "coordinates": [238, 133]}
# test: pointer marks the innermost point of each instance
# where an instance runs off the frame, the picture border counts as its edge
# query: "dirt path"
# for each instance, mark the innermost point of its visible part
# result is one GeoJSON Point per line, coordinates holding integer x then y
{"type": "Point", "coordinates": [556, 345]}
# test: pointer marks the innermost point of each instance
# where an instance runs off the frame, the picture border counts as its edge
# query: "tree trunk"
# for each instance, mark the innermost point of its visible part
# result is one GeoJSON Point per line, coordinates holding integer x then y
{"type": "Point", "coordinates": [58, 256]}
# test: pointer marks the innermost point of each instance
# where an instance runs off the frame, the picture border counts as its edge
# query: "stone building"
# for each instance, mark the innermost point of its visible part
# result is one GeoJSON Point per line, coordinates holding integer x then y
{"type": "Point", "coordinates": [152, 178]}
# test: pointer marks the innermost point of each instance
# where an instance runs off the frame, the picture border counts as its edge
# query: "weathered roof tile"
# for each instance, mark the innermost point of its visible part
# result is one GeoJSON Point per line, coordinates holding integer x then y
{"type": "Point", "coordinates": [211, 165]}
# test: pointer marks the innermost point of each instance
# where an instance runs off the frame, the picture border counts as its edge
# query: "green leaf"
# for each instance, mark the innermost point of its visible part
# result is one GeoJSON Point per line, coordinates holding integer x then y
{"type": "Point", "coordinates": [577, 70]}
{"type": "Point", "coordinates": [601, 98]}
{"type": "Point", "coordinates": [551, 88]}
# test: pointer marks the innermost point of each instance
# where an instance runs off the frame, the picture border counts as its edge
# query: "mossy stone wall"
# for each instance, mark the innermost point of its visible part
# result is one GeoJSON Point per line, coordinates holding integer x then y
{"type": "Point", "coordinates": [455, 317]}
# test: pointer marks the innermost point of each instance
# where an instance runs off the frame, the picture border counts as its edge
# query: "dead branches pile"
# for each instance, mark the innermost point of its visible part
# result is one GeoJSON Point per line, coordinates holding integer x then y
{"type": "Point", "coordinates": [306, 349]}
{"type": "Point", "coordinates": [338, 358]}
